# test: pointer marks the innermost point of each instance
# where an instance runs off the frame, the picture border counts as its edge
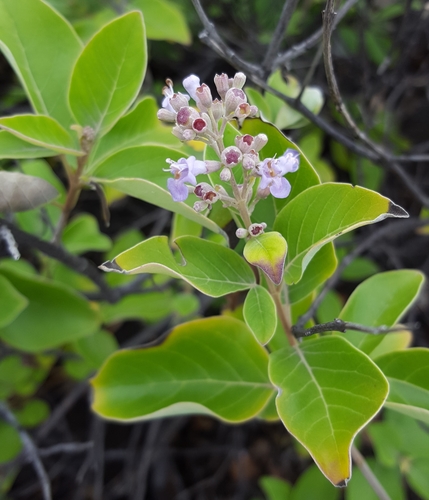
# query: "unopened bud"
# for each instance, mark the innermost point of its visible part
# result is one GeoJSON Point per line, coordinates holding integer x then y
{"type": "Point", "coordinates": [239, 80]}
{"type": "Point", "coordinates": [225, 175]}
{"type": "Point", "coordinates": [199, 206]}
{"type": "Point", "coordinates": [199, 125]}
{"type": "Point", "coordinates": [186, 115]}
{"type": "Point", "coordinates": [260, 141]}
{"type": "Point", "coordinates": [189, 134]}
{"type": "Point", "coordinates": [166, 115]}
{"type": "Point", "coordinates": [253, 111]}
{"type": "Point", "coordinates": [178, 101]}
{"type": "Point", "coordinates": [213, 166]}
{"type": "Point", "coordinates": [233, 98]}
{"type": "Point", "coordinates": [211, 197]}
{"type": "Point", "coordinates": [204, 97]}
{"type": "Point", "coordinates": [231, 156]}
{"type": "Point", "coordinates": [257, 228]}
{"type": "Point", "coordinates": [222, 84]}
{"type": "Point", "coordinates": [217, 109]}
{"type": "Point", "coordinates": [178, 132]}
{"type": "Point", "coordinates": [241, 232]}
{"type": "Point", "coordinates": [201, 189]}
{"type": "Point", "coordinates": [250, 160]}
{"type": "Point", "coordinates": [244, 143]}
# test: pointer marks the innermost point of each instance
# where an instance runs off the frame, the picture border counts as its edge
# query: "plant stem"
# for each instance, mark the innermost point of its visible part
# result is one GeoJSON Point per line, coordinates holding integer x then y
{"type": "Point", "coordinates": [369, 475]}
{"type": "Point", "coordinates": [281, 312]}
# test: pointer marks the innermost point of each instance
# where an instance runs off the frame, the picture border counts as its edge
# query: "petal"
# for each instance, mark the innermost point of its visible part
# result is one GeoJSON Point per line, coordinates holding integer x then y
{"type": "Point", "coordinates": [290, 161]}
{"type": "Point", "coordinates": [166, 104]}
{"type": "Point", "coordinates": [265, 182]}
{"type": "Point", "coordinates": [191, 83]}
{"type": "Point", "coordinates": [178, 191]}
{"type": "Point", "coordinates": [280, 188]}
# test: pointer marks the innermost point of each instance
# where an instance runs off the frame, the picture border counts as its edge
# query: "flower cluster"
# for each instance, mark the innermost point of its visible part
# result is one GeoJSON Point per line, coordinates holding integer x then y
{"type": "Point", "coordinates": [206, 122]}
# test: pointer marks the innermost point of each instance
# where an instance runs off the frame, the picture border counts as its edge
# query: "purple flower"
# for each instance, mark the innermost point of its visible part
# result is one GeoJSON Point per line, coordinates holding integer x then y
{"type": "Point", "coordinates": [183, 170]}
{"type": "Point", "coordinates": [272, 171]}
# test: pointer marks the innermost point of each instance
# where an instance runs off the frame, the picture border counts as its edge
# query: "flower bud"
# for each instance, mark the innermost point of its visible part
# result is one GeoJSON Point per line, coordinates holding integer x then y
{"type": "Point", "coordinates": [178, 132]}
{"type": "Point", "coordinates": [199, 206]}
{"type": "Point", "coordinates": [225, 175]}
{"type": "Point", "coordinates": [233, 98]}
{"type": "Point", "coordinates": [213, 166]}
{"type": "Point", "coordinates": [178, 101]}
{"type": "Point", "coordinates": [189, 135]}
{"type": "Point", "coordinates": [239, 80]}
{"type": "Point", "coordinates": [204, 97]}
{"type": "Point", "coordinates": [199, 125]}
{"type": "Point", "coordinates": [231, 156]}
{"type": "Point", "coordinates": [201, 189]}
{"type": "Point", "coordinates": [217, 109]}
{"type": "Point", "coordinates": [241, 232]}
{"type": "Point", "coordinates": [253, 111]}
{"type": "Point", "coordinates": [166, 116]}
{"type": "Point", "coordinates": [244, 143]}
{"type": "Point", "coordinates": [250, 160]}
{"type": "Point", "coordinates": [260, 141]}
{"type": "Point", "coordinates": [257, 228]}
{"type": "Point", "coordinates": [242, 111]}
{"type": "Point", "coordinates": [222, 84]}
{"type": "Point", "coordinates": [210, 197]}
{"type": "Point", "coordinates": [186, 116]}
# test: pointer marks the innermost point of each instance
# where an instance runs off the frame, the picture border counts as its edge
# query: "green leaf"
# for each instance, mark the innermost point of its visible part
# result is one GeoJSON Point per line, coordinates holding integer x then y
{"type": "Point", "coordinates": [55, 315]}
{"type": "Point", "coordinates": [359, 488]}
{"type": "Point", "coordinates": [82, 235]}
{"type": "Point", "coordinates": [211, 366]}
{"type": "Point", "coordinates": [164, 21]}
{"type": "Point", "coordinates": [321, 213]}
{"type": "Point", "coordinates": [139, 126]}
{"type": "Point", "coordinates": [33, 413]}
{"type": "Point", "coordinates": [408, 375]}
{"type": "Point", "coordinates": [328, 391]}
{"type": "Point", "coordinates": [321, 267]}
{"type": "Point", "coordinates": [331, 305]}
{"type": "Point", "coordinates": [256, 99]}
{"type": "Point", "coordinates": [12, 303]}
{"type": "Point", "coordinates": [10, 443]}
{"type": "Point", "coordinates": [380, 300]}
{"type": "Point", "coordinates": [259, 312]}
{"type": "Point", "coordinates": [138, 172]}
{"type": "Point", "coordinates": [42, 131]}
{"type": "Point", "coordinates": [268, 252]}
{"type": "Point", "coordinates": [305, 177]}
{"type": "Point", "coordinates": [109, 73]}
{"type": "Point", "coordinates": [13, 374]}
{"type": "Point", "coordinates": [13, 147]}
{"type": "Point", "coordinates": [96, 348]}
{"type": "Point", "coordinates": [275, 488]}
{"type": "Point", "coordinates": [417, 477]}
{"type": "Point", "coordinates": [42, 47]}
{"type": "Point", "coordinates": [211, 268]}
{"type": "Point", "coordinates": [312, 485]}
{"type": "Point", "coordinates": [182, 226]}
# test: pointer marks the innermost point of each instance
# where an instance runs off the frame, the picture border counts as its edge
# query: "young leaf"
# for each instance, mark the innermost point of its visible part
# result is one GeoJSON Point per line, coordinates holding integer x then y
{"type": "Point", "coordinates": [20, 192]}
{"type": "Point", "coordinates": [408, 376]}
{"type": "Point", "coordinates": [13, 147]}
{"type": "Point", "coordinates": [380, 300]}
{"type": "Point", "coordinates": [213, 366]}
{"type": "Point", "coordinates": [275, 488]}
{"type": "Point", "coordinates": [311, 485]}
{"type": "Point", "coordinates": [109, 73]}
{"type": "Point", "coordinates": [328, 391]}
{"type": "Point", "coordinates": [211, 268]}
{"type": "Point", "coordinates": [139, 172]}
{"type": "Point", "coordinates": [268, 252]}
{"type": "Point", "coordinates": [55, 315]}
{"type": "Point", "coordinates": [42, 131]}
{"type": "Point", "coordinates": [82, 234]}
{"type": "Point", "coordinates": [321, 213]}
{"type": "Point", "coordinates": [259, 312]}
{"type": "Point", "coordinates": [12, 303]}
{"type": "Point", "coordinates": [42, 48]}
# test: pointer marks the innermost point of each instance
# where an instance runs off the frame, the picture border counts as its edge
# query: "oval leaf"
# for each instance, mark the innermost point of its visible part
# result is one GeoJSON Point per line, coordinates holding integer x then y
{"type": "Point", "coordinates": [268, 252]}
{"type": "Point", "coordinates": [13, 147]}
{"type": "Point", "coordinates": [42, 131]}
{"type": "Point", "coordinates": [259, 312]}
{"type": "Point", "coordinates": [209, 267]}
{"type": "Point", "coordinates": [42, 48]}
{"type": "Point", "coordinates": [380, 300]}
{"type": "Point", "coordinates": [139, 172]}
{"type": "Point", "coordinates": [55, 315]}
{"type": "Point", "coordinates": [328, 391]}
{"type": "Point", "coordinates": [12, 303]}
{"type": "Point", "coordinates": [212, 366]}
{"type": "Point", "coordinates": [322, 213]}
{"type": "Point", "coordinates": [82, 234]}
{"type": "Point", "coordinates": [109, 73]}
{"type": "Point", "coordinates": [408, 376]}
{"type": "Point", "coordinates": [20, 192]}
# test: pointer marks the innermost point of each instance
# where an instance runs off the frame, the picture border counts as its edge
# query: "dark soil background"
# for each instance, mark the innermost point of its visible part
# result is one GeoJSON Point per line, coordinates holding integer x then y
{"type": "Point", "coordinates": [199, 458]}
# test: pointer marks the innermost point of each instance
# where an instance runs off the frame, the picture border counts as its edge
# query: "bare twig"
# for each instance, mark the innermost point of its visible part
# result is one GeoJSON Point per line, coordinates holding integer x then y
{"type": "Point", "coordinates": [369, 475]}
{"type": "Point", "coordinates": [30, 450]}
{"type": "Point", "coordinates": [338, 325]}
{"type": "Point", "coordinates": [285, 17]}
{"type": "Point", "coordinates": [69, 448]}
{"type": "Point", "coordinates": [11, 246]}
